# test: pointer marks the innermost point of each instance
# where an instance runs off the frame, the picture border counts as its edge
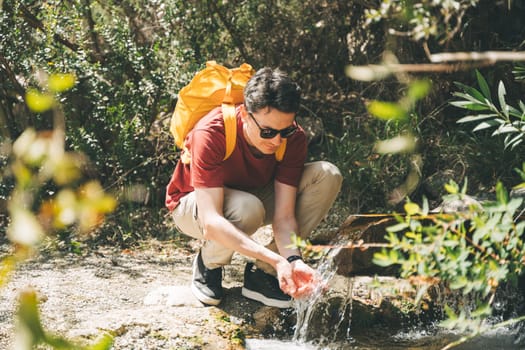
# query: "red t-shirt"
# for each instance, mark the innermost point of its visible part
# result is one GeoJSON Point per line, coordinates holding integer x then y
{"type": "Point", "coordinates": [242, 170]}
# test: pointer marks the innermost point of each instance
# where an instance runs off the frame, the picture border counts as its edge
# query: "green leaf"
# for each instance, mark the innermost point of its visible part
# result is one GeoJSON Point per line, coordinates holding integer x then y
{"type": "Point", "coordinates": [387, 110]}
{"type": "Point", "coordinates": [522, 106]}
{"type": "Point", "coordinates": [465, 186]}
{"type": "Point", "coordinates": [412, 208]}
{"type": "Point", "coordinates": [501, 193]}
{"type": "Point", "coordinates": [501, 96]}
{"type": "Point", "coordinates": [497, 236]}
{"type": "Point", "coordinates": [471, 106]}
{"type": "Point", "coordinates": [471, 91]}
{"type": "Point", "coordinates": [483, 85]}
{"type": "Point", "coordinates": [426, 207]}
{"type": "Point", "coordinates": [29, 316]}
{"type": "Point", "coordinates": [398, 227]}
{"type": "Point", "coordinates": [382, 259]}
{"type": "Point", "coordinates": [483, 310]}
{"type": "Point", "coordinates": [459, 282]}
{"type": "Point", "coordinates": [505, 129]}
{"type": "Point", "coordinates": [514, 111]}
{"type": "Point", "coordinates": [39, 102]}
{"type": "Point", "coordinates": [60, 82]}
{"type": "Point", "coordinates": [450, 313]}
{"type": "Point", "coordinates": [520, 228]}
{"type": "Point", "coordinates": [514, 142]}
{"type": "Point", "coordinates": [478, 235]}
{"type": "Point", "coordinates": [476, 118]}
{"type": "Point", "coordinates": [486, 124]}
{"type": "Point", "coordinates": [473, 99]}
{"type": "Point", "coordinates": [452, 187]}
{"type": "Point", "coordinates": [419, 89]}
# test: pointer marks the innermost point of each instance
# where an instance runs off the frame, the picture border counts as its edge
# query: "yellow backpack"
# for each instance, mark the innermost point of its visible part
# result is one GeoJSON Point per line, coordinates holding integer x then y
{"type": "Point", "coordinates": [211, 87]}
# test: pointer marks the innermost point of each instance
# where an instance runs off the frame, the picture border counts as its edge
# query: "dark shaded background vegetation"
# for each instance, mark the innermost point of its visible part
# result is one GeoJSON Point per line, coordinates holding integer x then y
{"type": "Point", "coordinates": [131, 58]}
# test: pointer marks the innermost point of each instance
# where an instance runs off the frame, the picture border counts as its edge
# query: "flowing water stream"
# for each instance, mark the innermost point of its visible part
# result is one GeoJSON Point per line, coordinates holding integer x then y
{"type": "Point", "coordinates": [324, 323]}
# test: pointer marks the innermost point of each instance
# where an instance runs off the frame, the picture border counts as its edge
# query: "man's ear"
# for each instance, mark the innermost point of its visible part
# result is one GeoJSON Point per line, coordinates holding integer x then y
{"type": "Point", "coordinates": [244, 112]}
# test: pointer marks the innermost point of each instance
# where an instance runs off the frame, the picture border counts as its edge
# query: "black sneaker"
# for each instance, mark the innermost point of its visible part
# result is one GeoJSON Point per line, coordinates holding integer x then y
{"type": "Point", "coordinates": [263, 287]}
{"type": "Point", "coordinates": [206, 284]}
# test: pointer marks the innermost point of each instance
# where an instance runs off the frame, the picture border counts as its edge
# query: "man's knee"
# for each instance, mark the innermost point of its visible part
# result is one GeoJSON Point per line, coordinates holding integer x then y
{"type": "Point", "coordinates": [245, 211]}
{"type": "Point", "coordinates": [326, 173]}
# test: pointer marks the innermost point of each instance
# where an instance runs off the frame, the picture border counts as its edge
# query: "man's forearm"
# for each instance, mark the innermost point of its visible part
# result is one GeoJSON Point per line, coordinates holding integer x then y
{"type": "Point", "coordinates": [225, 233]}
{"type": "Point", "coordinates": [283, 238]}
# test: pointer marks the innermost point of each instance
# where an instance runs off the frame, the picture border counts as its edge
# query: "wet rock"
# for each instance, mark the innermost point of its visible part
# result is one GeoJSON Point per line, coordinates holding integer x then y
{"type": "Point", "coordinates": [363, 229]}
{"type": "Point", "coordinates": [354, 304]}
{"type": "Point", "coordinates": [273, 321]}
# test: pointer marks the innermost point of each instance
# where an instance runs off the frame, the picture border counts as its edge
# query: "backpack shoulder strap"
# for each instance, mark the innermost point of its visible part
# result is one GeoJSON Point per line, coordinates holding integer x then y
{"type": "Point", "coordinates": [279, 154]}
{"type": "Point", "coordinates": [230, 128]}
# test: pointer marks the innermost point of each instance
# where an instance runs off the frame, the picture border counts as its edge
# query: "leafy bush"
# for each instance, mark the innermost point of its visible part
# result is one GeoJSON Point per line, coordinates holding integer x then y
{"type": "Point", "coordinates": [472, 252]}
{"type": "Point", "coordinates": [507, 120]}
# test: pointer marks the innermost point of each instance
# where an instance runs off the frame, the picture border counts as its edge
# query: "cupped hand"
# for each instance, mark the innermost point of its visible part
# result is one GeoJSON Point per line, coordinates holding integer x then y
{"type": "Point", "coordinates": [297, 279]}
{"type": "Point", "coordinates": [285, 277]}
{"type": "Point", "coordinates": [305, 278]}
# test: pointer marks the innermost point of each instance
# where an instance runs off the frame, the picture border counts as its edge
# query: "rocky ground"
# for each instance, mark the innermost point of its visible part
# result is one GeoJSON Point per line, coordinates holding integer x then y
{"type": "Point", "coordinates": [140, 297]}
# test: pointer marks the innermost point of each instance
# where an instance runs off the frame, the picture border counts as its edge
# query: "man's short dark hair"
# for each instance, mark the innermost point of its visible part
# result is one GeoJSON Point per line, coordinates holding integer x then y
{"type": "Point", "coordinates": [272, 88]}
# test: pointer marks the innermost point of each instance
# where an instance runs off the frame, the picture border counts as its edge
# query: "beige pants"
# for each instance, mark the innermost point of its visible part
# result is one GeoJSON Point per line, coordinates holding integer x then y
{"type": "Point", "coordinates": [248, 211]}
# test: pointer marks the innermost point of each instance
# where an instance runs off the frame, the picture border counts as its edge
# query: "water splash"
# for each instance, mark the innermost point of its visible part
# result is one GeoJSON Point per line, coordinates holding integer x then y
{"type": "Point", "coordinates": [330, 306]}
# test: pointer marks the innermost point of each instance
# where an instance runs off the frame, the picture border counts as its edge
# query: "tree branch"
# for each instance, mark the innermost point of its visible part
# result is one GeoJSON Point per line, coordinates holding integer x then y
{"type": "Point", "coordinates": [488, 56]}
{"type": "Point", "coordinates": [11, 75]}
{"type": "Point", "coordinates": [37, 24]}
{"type": "Point", "coordinates": [92, 32]}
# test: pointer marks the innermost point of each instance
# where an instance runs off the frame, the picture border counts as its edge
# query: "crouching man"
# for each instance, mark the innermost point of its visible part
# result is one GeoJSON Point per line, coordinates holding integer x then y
{"type": "Point", "coordinates": [223, 202]}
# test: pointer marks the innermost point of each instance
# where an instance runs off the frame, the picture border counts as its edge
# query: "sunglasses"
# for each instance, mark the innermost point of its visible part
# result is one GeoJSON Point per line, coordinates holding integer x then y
{"type": "Point", "coordinates": [269, 133]}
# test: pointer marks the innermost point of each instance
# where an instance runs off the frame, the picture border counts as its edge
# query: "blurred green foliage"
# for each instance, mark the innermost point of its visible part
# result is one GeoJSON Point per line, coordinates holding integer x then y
{"type": "Point", "coordinates": [48, 198]}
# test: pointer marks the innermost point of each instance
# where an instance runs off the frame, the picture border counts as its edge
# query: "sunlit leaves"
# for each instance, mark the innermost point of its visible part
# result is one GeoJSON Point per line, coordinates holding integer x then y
{"type": "Point", "coordinates": [412, 208]}
{"type": "Point", "coordinates": [7, 266]}
{"type": "Point", "coordinates": [418, 89]}
{"type": "Point", "coordinates": [452, 187]}
{"type": "Point", "coordinates": [387, 110]}
{"type": "Point", "coordinates": [308, 250]}
{"type": "Point", "coordinates": [61, 82]}
{"type": "Point", "coordinates": [38, 101]}
{"type": "Point", "coordinates": [386, 258]}
{"type": "Point", "coordinates": [24, 228]}
{"type": "Point", "coordinates": [398, 144]}
{"type": "Point", "coordinates": [399, 112]}
{"type": "Point", "coordinates": [504, 119]}
{"type": "Point", "coordinates": [41, 101]}
{"type": "Point", "coordinates": [38, 160]}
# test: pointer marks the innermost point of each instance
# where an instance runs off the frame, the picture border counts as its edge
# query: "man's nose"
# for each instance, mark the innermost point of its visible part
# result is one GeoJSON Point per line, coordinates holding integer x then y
{"type": "Point", "coordinates": [277, 140]}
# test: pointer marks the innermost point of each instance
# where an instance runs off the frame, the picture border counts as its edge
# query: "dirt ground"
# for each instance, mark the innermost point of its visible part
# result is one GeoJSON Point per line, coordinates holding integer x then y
{"type": "Point", "coordinates": [141, 297]}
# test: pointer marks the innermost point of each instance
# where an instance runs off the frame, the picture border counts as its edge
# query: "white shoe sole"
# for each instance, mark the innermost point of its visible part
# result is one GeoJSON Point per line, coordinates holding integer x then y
{"type": "Point", "coordinates": [250, 294]}
{"type": "Point", "coordinates": [203, 298]}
